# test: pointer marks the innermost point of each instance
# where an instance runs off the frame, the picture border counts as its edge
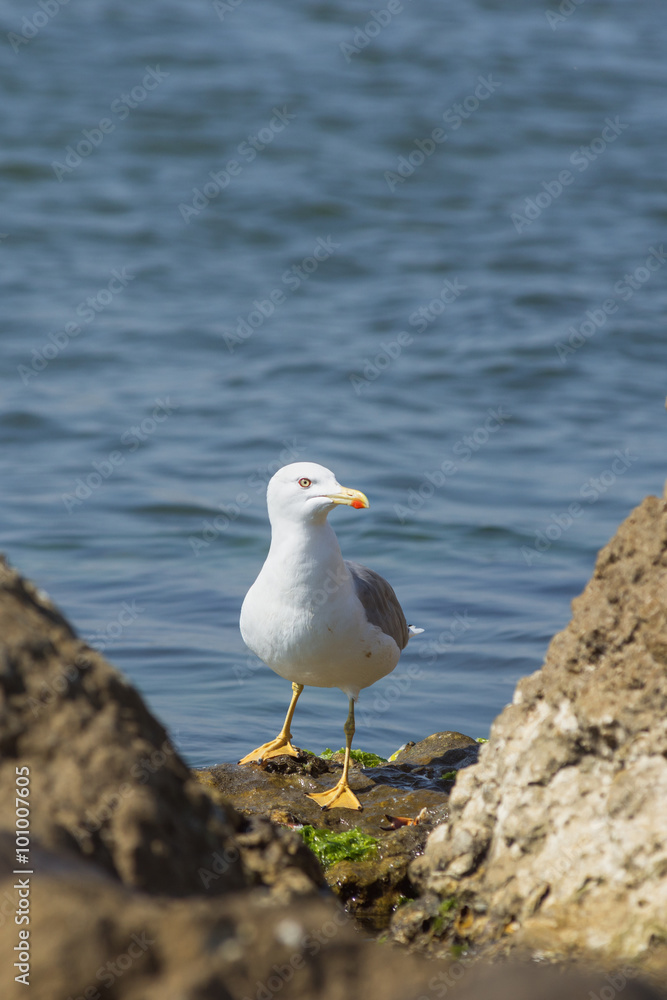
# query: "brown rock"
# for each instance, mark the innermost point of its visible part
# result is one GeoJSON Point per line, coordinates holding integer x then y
{"type": "Point", "coordinates": [93, 937]}
{"type": "Point", "coordinates": [446, 751]}
{"type": "Point", "coordinates": [105, 781]}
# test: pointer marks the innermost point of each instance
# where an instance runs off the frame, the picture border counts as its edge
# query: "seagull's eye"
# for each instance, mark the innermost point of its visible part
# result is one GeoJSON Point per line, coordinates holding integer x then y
{"type": "Point", "coordinates": [305, 483]}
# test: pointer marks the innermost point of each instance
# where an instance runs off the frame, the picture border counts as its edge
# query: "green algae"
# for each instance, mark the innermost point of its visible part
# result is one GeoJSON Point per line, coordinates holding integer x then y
{"type": "Point", "coordinates": [361, 756]}
{"type": "Point", "coordinates": [445, 917]}
{"type": "Point", "coordinates": [329, 847]}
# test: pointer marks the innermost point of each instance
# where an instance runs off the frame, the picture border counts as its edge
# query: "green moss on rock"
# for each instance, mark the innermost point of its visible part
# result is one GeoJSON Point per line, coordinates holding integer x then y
{"type": "Point", "coordinates": [330, 847]}
{"type": "Point", "coordinates": [364, 757]}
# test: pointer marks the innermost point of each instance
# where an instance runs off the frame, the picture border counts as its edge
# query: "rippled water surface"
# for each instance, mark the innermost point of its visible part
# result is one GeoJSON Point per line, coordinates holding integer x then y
{"type": "Point", "coordinates": [425, 252]}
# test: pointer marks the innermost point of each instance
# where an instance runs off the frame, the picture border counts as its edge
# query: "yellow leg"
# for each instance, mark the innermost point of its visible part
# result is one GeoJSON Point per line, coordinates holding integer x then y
{"type": "Point", "coordinates": [281, 744]}
{"type": "Point", "coordinates": [341, 795]}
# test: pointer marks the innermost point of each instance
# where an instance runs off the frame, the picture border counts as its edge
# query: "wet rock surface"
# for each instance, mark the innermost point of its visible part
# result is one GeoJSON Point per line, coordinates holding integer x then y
{"type": "Point", "coordinates": [557, 839]}
{"type": "Point", "coordinates": [409, 787]}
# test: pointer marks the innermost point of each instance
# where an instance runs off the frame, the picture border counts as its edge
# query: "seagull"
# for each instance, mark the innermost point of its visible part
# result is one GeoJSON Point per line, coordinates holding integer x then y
{"type": "Point", "coordinates": [315, 618]}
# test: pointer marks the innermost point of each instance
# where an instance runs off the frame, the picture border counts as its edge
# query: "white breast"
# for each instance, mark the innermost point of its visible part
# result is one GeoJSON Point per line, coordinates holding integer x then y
{"type": "Point", "coordinates": [303, 618]}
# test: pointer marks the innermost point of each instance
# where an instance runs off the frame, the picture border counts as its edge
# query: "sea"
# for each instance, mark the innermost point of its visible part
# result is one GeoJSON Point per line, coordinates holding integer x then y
{"type": "Point", "coordinates": [423, 244]}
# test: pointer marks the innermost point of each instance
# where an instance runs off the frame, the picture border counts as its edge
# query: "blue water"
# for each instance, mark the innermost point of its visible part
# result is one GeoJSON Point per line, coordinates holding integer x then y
{"type": "Point", "coordinates": [169, 339]}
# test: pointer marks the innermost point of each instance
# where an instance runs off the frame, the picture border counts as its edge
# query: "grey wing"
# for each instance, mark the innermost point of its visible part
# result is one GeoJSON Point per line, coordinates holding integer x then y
{"type": "Point", "coordinates": [380, 603]}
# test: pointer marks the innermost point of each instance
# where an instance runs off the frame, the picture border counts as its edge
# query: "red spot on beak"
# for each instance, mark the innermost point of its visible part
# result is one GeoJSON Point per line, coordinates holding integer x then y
{"type": "Point", "coordinates": [357, 504]}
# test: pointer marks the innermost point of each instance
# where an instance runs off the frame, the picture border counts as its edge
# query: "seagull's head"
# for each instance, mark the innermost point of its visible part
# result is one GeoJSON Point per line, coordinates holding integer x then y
{"type": "Point", "coordinates": [305, 491]}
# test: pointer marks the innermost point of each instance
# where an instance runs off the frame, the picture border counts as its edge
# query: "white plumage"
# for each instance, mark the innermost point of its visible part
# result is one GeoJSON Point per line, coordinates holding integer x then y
{"type": "Point", "coordinates": [314, 618]}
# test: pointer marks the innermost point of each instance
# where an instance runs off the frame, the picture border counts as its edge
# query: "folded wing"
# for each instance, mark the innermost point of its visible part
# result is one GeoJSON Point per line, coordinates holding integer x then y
{"type": "Point", "coordinates": [379, 602]}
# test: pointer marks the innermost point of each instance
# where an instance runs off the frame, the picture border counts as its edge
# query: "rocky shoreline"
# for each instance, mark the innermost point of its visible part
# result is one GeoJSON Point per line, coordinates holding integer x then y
{"type": "Point", "coordinates": [543, 851]}
{"type": "Point", "coordinates": [410, 787]}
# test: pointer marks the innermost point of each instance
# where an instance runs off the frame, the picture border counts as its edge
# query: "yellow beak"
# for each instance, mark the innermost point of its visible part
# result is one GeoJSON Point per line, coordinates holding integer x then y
{"type": "Point", "coordinates": [353, 498]}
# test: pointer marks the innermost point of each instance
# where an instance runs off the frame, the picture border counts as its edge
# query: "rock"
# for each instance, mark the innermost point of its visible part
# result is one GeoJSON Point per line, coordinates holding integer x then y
{"type": "Point", "coordinates": [557, 839]}
{"type": "Point", "coordinates": [440, 752]}
{"type": "Point", "coordinates": [411, 786]}
{"type": "Point", "coordinates": [277, 857]}
{"type": "Point", "coordinates": [105, 781]}
{"type": "Point", "coordinates": [96, 938]}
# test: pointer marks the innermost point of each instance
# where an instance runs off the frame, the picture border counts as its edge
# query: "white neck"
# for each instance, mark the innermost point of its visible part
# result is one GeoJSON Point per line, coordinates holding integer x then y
{"type": "Point", "coordinates": [308, 551]}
